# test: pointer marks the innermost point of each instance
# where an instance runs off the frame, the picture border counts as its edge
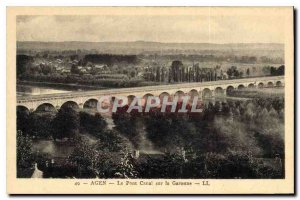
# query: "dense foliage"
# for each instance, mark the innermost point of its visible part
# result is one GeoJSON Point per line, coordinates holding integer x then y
{"type": "Point", "coordinates": [110, 59]}
{"type": "Point", "coordinates": [229, 139]}
{"type": "Point", "coordinates": [109, 70]}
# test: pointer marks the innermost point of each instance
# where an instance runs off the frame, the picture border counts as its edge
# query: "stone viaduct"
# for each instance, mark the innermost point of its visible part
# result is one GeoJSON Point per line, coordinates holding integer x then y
{"type": "Point", "coordinates": [83, 99]}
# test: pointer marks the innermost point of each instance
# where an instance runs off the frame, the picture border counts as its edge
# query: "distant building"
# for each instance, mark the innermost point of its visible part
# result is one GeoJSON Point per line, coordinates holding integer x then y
{"type": "Point", "coordinates": [101, 67]}
{"type": "Point", "coordinates": [67, 71]}
{"type": "Point", "coordinates": [59, 61]}
{"type": "Point", "coordinates": [83, 70]}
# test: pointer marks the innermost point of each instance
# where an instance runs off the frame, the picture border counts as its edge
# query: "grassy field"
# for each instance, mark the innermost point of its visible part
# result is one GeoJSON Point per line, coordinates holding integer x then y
{"type": "Point", "coordinates": [259, 93]}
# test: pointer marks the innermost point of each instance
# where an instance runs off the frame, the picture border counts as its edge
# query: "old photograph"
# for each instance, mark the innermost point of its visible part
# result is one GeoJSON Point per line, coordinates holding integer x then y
{"type": "Point", "coordinates": [153, 93]}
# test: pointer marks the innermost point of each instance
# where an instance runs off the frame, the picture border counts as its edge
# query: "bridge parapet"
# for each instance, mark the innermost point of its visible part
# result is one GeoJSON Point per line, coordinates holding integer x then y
{"type": "Point", "coordinates": [57, 100]}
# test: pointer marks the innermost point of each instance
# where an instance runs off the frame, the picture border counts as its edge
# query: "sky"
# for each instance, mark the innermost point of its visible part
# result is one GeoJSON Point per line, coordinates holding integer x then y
{"type": "Point", "coordinates": [157, 28]}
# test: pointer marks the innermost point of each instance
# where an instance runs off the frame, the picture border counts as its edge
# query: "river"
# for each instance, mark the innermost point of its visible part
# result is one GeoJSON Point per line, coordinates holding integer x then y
{"type": "Point", "coordinates": [26, 90]}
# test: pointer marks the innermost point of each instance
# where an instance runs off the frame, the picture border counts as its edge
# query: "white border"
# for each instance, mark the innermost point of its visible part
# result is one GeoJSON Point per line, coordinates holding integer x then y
{"type": "Point", "coordinates": [3, 5]}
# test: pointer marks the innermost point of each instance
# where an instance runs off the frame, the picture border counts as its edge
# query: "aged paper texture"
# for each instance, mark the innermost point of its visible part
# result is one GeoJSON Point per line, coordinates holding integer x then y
{"type": "Point", "coordinates": [150, 100]}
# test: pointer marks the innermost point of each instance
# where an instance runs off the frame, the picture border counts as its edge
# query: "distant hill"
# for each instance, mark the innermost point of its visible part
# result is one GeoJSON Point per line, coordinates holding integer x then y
{"type": "Point", "coordinates": [138, 47]}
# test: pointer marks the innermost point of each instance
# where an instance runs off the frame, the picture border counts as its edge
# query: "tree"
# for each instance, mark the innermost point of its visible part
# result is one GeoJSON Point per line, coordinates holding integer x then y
{"type": "Point", "coordinates": [240, 74]}
{"type": "Point", "coordinates": [23, 120]}
{"type": "Point", "coordinates": [75, 70]}
{"type": "Point", "coordinates": [177, 130]}
{"type": "Point", "coordinates": [176, 68]}
{"type": "Point", "coordinates": [126, 168]}
{"type": "Point", "coordinates": [233, 72]}
{"type": "Point", "coordinates": [25, 156]}
{"type": "Point", "coordinates": [249, 113]}
{"type": "Point", "coordinates": [126, 124]}
{"type": "Point", "coordinates": [112, 141]}
{"type": "Point", "coordinates": [280, 70]}
{"type": "Point", "coordinates": [40, 125]}
{"type": "Point", "coordinates": [22, 63]}
{"type": "Point", "coordinates": [85, 159]}
{"type": "Point", "coordinates": [65, 123]}
{"type": "Point", "coordinates": [248, 72]}
{"type": "Point", "coordinates": [46, 69]}
{"type": "Point", "coordinates": [277, 71]}
{"type": "Point", "coordinates": [273, 71]}
{"type": "Point", "coordinates": [93, 124]}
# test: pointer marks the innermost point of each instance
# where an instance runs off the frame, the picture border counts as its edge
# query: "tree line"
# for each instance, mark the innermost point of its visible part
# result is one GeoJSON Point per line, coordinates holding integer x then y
{"type": "Point", "coordinates": [110, 59]}
{"type": "Point", "coordinates": [227, 140]}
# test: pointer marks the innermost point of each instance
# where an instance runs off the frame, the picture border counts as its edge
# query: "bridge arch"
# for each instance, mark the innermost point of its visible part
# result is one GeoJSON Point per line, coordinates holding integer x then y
{"type": "Point", "coordinates": [22, 109]}
{"type": "Point", "coordinates": [261, 85]}
{"type": "Point", "coordinates": [163, 94]}
{"type": "Point", "coordinates": [207, 93]}
{"type": "Point", "coordinates": [179, 93]}
{"type": "Point", "coordinates": [278, 84]}
{"type": "Point", "coordinates": [46, 107]}
{"type": "Point", "coordinates": [241, 87]}
{"type": "Point", "coordinates": [145, 97]}
{"type": "Point", "coordinates": [270, 84]}
{"type": "Point", "coordinates": [90, 103]}
{"type": "Point", "coordinates": [229, 89]}
{"type": "Point", "coordinates": [193, 93]}
{"type": "Point", "coordinates": [130, 98]}
{"type": "Point", "coordinates": [70, 104]}
{"type": "Point", "coordinates": [251, 85]}
{"type": "Point", "coordinates": [219, 91]}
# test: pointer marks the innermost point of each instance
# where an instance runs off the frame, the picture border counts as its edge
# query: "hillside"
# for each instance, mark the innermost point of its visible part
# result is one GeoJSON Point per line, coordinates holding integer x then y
{"type": "Point", "coordinates": [139, 47]}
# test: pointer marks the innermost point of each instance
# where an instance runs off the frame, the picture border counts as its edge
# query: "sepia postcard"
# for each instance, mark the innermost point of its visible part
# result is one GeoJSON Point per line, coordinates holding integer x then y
{"type": "Point", "coordinates": [150, 100]}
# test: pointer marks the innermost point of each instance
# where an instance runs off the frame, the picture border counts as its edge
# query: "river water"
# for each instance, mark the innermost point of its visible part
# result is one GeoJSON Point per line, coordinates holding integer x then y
{"type": "Point", "coordinates": [25, 90]}
{"type": "Point", "coordinates": [44, 146]}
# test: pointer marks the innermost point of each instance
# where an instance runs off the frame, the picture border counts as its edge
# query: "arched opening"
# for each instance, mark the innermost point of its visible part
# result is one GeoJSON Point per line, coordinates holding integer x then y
{"type": "Point", "coordinates": [260, 85]}
{"type": "Point", "coordinates": [270, 84]}
{"type": "Point", "coordinates": [130, 99]}
{"type": "Point", "coordinates": [206, 93]}
{"type": "Point", "coordinates": [179, 94]}
{"type": "Point", "coordinates": [23, 110]}
{"type": "Point", "coordinates": [219, 91]}
{"type": "Point", "coordinates": [251, 85]}
{"type": "Point", "coordinates": [229, 89]}
{"type": "Point", "coordinates": [90, 104]}
{"type": "Point", "coordinates": [278, 84]}
{"type": "Point", "coordinates": [46, 107]}
{"type": "Point", "coordinates": [164, 94]}
{"type": "Point", "coordinates": [145, 97]}
{"type": "Point", "coordinates": [70, 104]}
{"type": "Point", "coordinates": [193, 93]}
{"type": "Point", "coordinates": [241, 87]}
